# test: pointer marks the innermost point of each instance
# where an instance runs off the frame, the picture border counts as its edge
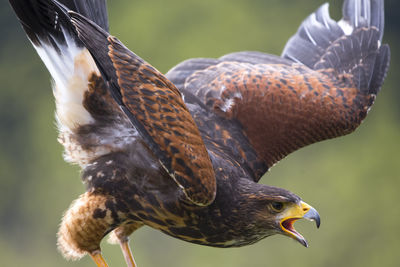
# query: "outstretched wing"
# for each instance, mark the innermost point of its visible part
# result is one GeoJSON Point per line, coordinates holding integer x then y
{"type": "Point", "coordinates": [322, 87]}
{"type": "Point", "coordinates": [155, 107]}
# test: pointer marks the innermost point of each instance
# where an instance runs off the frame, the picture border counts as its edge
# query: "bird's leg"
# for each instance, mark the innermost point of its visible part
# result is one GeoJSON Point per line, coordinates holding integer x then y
{"type": "Point", "coordinates": [121, 235]}
{"type": "Point", "coordinates": [98, 259]}
{"type": "Point", "coordinates": [126, 250]}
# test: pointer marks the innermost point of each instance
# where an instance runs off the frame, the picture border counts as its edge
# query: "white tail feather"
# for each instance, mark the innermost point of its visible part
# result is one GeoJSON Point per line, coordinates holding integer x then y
{"type": "Point", "coordinates": [70, 69]}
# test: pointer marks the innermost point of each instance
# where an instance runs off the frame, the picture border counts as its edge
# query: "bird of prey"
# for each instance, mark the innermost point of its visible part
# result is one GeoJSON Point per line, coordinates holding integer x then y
{"type": "Point", "coordinates": [183, 153]}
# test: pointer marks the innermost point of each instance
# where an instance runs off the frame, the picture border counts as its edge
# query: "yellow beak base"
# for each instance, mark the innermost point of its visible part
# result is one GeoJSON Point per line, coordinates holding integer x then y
{"type": "Point", "coordinates": [294, 213]}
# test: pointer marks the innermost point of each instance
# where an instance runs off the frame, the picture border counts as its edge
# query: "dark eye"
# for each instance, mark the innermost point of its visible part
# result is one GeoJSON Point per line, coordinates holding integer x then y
{"type": "Point", "coordinates": [277, 206]}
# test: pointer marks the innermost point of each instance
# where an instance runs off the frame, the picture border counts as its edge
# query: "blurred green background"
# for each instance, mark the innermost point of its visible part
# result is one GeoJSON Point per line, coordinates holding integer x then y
{"type": "Point", "coordinates": [353, 181]}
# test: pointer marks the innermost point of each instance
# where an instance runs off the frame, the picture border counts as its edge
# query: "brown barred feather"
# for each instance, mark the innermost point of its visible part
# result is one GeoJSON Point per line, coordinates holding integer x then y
{"type": "Point", "coordinates": [281, 107]}
{"type": "Point", "coordinates": [155, 107]}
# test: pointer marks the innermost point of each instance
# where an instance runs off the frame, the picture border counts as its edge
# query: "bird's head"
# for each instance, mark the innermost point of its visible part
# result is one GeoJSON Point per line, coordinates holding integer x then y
{"type": "Point", "coordinates": [285, 213]}
{"type": "Point", "coordinates": [275, 211]}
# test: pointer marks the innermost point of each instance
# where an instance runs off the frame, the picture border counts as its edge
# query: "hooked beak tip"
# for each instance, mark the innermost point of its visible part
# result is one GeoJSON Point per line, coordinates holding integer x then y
{"type": "Point", "coordinates": [313, 215]}
{"type": "Point", "coordinates": [303, 242]}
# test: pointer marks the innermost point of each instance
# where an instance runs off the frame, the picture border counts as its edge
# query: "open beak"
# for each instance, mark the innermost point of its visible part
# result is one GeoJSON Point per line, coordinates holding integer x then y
{"type": "Point", "coordinates": [299, 211]}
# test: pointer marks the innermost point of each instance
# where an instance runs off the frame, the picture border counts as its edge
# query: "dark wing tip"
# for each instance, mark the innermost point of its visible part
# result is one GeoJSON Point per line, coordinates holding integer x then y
{"type": "Point", "coordinates": [319, 31]}
{"type": "Point", "coordinates": [85, 26]}
{"type": "Point", "coordinates": [364, 13]}
{"type": "Point", "coordinates": [47, 21]}
{"type": "Point", "coordinates": [380, 69]}
{"type": "Point", "coordinates": [43, 23]}
{"type": "Point", "coordinates": [94, 10]}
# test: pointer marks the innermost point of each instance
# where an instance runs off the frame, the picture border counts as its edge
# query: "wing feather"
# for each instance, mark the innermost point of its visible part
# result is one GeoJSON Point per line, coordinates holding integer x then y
{"type": "Point", "coordinates": [155, 107]}
{"type": "Point", "coordinates": [322, 87]}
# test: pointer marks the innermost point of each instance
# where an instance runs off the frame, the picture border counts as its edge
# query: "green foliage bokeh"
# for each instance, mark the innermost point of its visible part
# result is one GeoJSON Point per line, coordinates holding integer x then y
{"type": "Point", "coordinates": [353, 181]}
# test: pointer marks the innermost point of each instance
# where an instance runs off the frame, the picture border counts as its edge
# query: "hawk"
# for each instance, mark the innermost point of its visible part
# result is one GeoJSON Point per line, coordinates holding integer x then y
{"type": "Point", "coordinates": [183, 152]}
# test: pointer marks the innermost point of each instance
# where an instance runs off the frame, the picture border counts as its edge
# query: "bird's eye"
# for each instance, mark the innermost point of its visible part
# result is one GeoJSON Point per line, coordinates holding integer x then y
{"type": "Point", "coordinates": [277, 206]}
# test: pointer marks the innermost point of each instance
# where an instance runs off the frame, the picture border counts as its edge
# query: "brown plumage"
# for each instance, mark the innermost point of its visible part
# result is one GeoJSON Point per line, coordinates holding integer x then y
{"type": "Point", "coordinates": [293, 106]}
{"type": "Point", "coordinates": [159, 113]}
{"type": "Point", "coordinates": [183, 153]}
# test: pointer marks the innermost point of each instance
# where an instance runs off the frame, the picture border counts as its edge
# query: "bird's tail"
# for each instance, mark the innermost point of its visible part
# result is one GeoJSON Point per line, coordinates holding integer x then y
{"type": "Point", "coordinates": [350, 46]}
{"type": "Point", "coordinates": [64, 55]}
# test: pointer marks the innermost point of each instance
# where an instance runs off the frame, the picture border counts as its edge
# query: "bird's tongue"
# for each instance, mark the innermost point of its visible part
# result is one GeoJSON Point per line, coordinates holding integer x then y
{"type": "Point", "coordinates": [288, 225]}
